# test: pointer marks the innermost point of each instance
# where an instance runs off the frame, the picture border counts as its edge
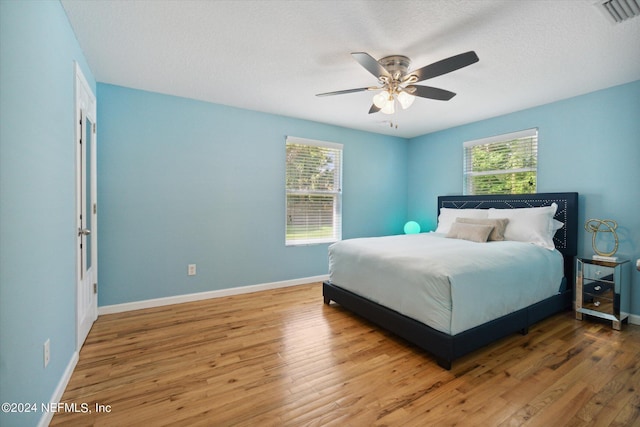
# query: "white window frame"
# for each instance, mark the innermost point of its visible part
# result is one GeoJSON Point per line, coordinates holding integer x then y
{"type": "Point", "coordinates": [528, 136]}
{"type": "Point", "coordinates": [336, 193]}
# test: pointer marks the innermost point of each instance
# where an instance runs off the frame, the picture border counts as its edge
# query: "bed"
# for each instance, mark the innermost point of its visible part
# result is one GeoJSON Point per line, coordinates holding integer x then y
{"type": "Point", "coordinates": [402, 284]}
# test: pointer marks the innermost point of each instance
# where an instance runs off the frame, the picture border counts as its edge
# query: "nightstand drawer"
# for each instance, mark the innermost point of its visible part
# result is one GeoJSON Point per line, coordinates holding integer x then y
{"type": "Point", "coordinates": [598, 288]}
{"type": "Point", "coordinates": [599, 304]}
{"type": "Point", "coordinates": [597, 272]}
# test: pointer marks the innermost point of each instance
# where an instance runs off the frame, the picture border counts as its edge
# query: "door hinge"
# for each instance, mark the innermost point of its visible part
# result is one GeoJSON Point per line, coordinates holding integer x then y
{"type": "Point", "coordinates": [95, 208]}
{"type": "Point", "coordinates": [94, 128]}
{"type": "Point", "coordinates": [95, 288]}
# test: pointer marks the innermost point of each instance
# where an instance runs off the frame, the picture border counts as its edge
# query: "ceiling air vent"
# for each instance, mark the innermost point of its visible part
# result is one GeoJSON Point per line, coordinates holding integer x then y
{"type": "Point", "coordinates": [619, 10]}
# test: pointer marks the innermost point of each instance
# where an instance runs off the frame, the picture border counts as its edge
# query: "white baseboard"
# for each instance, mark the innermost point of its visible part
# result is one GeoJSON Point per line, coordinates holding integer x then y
{"type": "Point", "coordinates": [158, 302]}
{"type": "Point", "coordinates": [634, 319]}
{"type": "Point", "coordinates": [59, 391]}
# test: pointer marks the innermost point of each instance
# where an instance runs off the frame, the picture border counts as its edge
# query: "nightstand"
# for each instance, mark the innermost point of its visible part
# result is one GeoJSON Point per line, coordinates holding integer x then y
{"type": "Point", "coordinates": [602, 289]}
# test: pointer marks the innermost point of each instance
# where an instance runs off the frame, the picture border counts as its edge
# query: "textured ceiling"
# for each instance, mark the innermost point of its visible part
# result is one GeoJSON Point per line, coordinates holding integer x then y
{"type": "Point", "coordinates": [274, 56]}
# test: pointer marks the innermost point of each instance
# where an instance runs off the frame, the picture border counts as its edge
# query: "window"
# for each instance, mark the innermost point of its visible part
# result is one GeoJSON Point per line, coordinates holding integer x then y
{"type": "Point", "coordinates": [503, 164]}
{"type": "Point", "coordinates": [314, 191]}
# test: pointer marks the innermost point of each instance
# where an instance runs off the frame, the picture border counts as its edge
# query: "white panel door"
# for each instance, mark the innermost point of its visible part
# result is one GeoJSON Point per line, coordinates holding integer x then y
{"type": "Point", "coordinates": [86, 209]}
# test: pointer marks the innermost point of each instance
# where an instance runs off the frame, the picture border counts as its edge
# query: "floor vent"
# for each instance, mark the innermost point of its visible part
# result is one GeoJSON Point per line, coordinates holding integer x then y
{"type": "Point", "coordinates": [619, 10]}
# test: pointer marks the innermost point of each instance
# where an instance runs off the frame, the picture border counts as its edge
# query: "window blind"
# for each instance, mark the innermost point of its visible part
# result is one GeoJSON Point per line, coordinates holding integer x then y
{"type": "Point", "coordinates": [313, 191]}
{"type": "Point", "coordinates": [502, 164]}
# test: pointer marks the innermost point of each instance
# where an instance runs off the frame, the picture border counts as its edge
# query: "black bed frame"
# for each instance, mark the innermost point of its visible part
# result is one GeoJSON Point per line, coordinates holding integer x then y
{"type": "Point", "coordinates": [447, 347]}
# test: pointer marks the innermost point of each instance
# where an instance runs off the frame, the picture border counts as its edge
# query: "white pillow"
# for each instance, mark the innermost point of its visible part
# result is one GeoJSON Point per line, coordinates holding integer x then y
{"type": "Point", "coordinates": [532, 225]}
{"type": "Point", "coordinates": [448, 216]}
{"type": "Point", "coordinates": [555, 226]}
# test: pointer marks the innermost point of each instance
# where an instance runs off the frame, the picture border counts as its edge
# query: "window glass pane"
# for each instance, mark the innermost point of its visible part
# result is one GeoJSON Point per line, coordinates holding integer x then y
{"type": "Point", "coordinates": [507, 183]}
{"type": "Point", "coordinates": [310, 217]}
{"type": "Point", "coordinates": [502, 165]}
{"type": "Point", "coordinates": [503, 156]}
{"type": "Point", "coordinates": [313, 187]}
{"type": "Point", "coordinates": [87, 183]}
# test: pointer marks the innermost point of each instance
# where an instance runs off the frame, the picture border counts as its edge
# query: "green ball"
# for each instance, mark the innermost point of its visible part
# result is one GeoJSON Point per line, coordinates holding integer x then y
{"type": "Point", "coordinates": [411, 227]}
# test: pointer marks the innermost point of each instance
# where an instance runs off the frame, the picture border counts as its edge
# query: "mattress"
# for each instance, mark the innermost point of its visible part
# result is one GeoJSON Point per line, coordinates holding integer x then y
{"type": "Point", "coordinates": [448, 284]}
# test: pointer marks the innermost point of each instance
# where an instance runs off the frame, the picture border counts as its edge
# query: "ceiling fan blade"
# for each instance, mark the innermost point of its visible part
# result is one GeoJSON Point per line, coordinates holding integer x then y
{"type": "Point", "coordinates": [342, 92]}
{"type": "Point", "coordinates": [431, 92]}
{"type": "Point", "coordinates": [373, 109]}
{"type": "Point", "coordinates": [445, 66]}
{"type": "Point", "coordinates": [370, 64]}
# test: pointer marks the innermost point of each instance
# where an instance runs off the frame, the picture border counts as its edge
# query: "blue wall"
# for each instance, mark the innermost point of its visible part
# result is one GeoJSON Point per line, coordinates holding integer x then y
{"type": "Point", "coordinates": [589, 144]}
{"type": "Point", "coordinates": [37, 201]}
{"type": "Point", "coordinates": [183, 181]}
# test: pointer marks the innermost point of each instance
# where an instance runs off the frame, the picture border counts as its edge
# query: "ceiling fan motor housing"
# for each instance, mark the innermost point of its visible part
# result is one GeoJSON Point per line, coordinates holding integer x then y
{"type": "Point", "coordinates": [396, 65]}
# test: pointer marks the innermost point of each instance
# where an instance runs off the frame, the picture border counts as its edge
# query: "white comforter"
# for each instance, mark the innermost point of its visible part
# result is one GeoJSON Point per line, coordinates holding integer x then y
{"type": "Point", "coordinates": [449, 284]}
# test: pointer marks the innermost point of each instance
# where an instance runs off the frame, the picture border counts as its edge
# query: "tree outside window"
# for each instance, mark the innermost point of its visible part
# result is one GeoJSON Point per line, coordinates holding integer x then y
{"type": "Point", "coordinates": [505, 164]}
{"type": "Point", "coordinates": [313, 187]}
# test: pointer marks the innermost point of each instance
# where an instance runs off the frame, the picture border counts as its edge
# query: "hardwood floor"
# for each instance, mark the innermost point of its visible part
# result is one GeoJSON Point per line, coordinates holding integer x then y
{"type": "Point", "coordinates": [283, 358]}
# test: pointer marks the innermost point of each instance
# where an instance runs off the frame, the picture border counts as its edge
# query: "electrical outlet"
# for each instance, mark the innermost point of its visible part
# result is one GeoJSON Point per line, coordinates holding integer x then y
{"type": "Point", "coordinates": [47, 352]}
{"type": "Point", "coordinates": [191, 270]}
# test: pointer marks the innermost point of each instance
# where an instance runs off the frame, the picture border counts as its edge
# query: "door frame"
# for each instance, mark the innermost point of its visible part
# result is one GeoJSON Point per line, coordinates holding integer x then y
{"type": "Point", "coordinates": [85, 107]}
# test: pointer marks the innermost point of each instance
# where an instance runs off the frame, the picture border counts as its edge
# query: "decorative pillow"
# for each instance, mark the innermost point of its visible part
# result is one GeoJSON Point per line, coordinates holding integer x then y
{"type": "Point", "coordinates": [473, 232]}
{"type": "Point", "coordinates": [533, 225]}
{"type": "Point", "coordinates": [499, 225]}
{"type": "Point", "coordinates": [448, 216]}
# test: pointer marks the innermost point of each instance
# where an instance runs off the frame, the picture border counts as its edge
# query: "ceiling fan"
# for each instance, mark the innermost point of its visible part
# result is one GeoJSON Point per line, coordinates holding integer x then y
{"type": "Point", "coordinates": [397, 83]}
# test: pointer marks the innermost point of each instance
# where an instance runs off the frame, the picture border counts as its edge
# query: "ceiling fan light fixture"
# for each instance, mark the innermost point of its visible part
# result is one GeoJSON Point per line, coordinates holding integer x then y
{"type": "Point", "coordinates": [380, 100]}
{"type": "Point", "coordinates": [389, 107]}
{"type": "Point", "coordinates": [405, 99]}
